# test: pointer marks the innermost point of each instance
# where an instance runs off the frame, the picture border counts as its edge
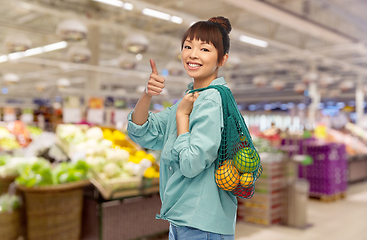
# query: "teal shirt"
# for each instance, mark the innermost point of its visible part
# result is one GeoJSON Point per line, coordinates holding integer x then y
{"type": "Point", "coordinates": [189, 194]}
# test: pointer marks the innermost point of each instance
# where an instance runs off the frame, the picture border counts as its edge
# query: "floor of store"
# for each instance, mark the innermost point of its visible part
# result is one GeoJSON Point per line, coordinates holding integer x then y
{"type": "Point", "coordinates": [339, 220]}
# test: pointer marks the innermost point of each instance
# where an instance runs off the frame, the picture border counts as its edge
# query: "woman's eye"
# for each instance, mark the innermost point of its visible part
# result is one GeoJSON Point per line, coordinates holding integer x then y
{"type": "Point", "coordinates": [187, 47]}
{"type": "Point", "coordinates": [205, 49]}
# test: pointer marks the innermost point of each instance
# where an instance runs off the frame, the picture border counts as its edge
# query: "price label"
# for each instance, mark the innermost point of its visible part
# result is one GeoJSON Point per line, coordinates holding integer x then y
{"type": "Point", "coordinates": [95, 116]}
{"type": "Point", "coordinates": [27, 118]}
{"type": "Point", "coordinates": [72, 115]}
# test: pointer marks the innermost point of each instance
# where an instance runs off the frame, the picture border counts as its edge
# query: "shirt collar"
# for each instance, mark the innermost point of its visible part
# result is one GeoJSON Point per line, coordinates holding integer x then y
{"type": "Point", "coordinates": [217, 81]}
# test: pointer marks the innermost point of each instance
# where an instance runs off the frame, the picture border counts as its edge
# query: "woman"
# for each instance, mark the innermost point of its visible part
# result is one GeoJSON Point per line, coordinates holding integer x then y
{"type": "Point", "coordinates": [189, 135]}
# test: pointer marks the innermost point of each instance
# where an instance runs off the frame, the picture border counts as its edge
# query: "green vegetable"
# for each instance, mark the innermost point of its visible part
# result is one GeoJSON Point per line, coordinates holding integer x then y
{"type": "Point", "coordinates": [3, 160]}
{"type": "Point", "coordinates": [9, 203]}
{"type": "Point", "coordinates": [41, 173]}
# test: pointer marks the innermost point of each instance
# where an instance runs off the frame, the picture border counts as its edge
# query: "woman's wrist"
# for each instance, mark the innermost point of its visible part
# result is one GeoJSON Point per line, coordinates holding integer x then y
{"type": "Point", "coordinates": [182, 121]}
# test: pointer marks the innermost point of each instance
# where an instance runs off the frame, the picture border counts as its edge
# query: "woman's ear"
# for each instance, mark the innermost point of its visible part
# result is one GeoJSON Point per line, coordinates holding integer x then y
{"type": "Point", "coordinates": [224, 60]}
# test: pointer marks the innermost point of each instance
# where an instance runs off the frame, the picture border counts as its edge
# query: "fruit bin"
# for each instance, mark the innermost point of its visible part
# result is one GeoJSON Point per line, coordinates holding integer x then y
{"type": "Point", "coordinates": [10, 225]}
{"type": "Point", "coordinates": [130, 217]}
{"type": "Point", "coordinates": [54, 212]}
{"type": "Point", "coordinates": [109, 189]}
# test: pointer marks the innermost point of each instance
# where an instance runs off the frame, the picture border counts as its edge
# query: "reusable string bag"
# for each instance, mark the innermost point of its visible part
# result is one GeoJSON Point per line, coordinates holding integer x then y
{"type": "Point", "coordinates": [238, 165]}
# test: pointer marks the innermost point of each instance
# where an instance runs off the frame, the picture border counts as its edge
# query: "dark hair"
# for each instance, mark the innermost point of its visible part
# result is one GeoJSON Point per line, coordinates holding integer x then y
{"type": "Point", "coordinates": [214, 31]}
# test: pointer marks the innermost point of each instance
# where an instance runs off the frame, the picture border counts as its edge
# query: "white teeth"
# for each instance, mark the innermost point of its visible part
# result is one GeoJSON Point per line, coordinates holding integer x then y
{"type": "Point", "coordinates": [194, 65]}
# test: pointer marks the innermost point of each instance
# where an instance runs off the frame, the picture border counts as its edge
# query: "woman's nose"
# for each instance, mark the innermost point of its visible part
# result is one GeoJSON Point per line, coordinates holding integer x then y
{"type": "Point", "coordinates": [193, 54]}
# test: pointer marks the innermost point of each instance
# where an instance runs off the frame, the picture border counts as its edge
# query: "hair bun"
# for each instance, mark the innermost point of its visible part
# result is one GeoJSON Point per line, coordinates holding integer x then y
{"type": "Point", "coordinates": [224, 22]}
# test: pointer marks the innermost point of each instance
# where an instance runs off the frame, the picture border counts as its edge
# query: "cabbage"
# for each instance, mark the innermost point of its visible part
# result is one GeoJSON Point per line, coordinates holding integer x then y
{"type": "Point", "coordinates": [118, 156]}
{"type": "Point", "coordinates": [94, 133]}
{"type": "Point", "coordinates": [96, 163]}
{"type": "Point", "coordinates": [111, 170]}
{"type": "Point", "coordinates": [106, 143]}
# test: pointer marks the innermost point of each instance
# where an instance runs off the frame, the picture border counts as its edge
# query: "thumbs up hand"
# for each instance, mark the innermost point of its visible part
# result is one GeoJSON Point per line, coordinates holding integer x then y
{"type": "Point", "coordinates": [156, 83]}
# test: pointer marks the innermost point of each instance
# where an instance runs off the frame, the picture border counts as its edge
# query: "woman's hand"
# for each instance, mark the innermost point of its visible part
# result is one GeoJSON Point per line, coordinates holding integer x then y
{"type": "Point", "coordinates": [156, 83]}
{"type": "Point", "coordinates": [187, 103]}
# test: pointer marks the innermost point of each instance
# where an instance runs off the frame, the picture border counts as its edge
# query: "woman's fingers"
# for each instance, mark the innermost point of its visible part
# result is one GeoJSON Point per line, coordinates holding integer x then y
{"type": "Point", "coordinates": [155, 83]}
{"type": "Point", "coordinates": [153, 66]}
{"type": "Point", "coordinates": [155, 89]}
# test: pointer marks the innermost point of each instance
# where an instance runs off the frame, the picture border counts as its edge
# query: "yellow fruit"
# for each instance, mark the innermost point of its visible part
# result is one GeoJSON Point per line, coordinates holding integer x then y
{"type": "Point", "coordinates": [107, 133]}
{"type": "Point", "coordinates": [150, 157]}
{"type": "Point", "coordinates": [130, 150]}
{"type": "Point", "coordinates": [140, 154]}
{"type": "Point", "coordinates": [227, 177]}
{"type": "Point", "coordinates": [134, 159]}
{"type": "Point", "coordinates": [149, 173]}
{"type": "Point", "coordinates": [117, 135]}
{"type": "Point", "coordinates": [246, 180]}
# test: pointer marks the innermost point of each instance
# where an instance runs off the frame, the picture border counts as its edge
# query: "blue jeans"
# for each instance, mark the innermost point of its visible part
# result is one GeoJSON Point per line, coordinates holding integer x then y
{"type": "Point", "coordinates": [183, 233]}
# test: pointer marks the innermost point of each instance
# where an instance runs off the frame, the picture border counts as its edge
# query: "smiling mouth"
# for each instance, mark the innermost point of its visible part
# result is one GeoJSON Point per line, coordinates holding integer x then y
{"type": "Point", "coordinates": [194, 65]}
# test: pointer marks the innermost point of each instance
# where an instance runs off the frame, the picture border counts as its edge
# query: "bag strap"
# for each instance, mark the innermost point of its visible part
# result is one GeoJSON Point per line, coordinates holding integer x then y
{"type": "Point", "coordinates": [229, 105]}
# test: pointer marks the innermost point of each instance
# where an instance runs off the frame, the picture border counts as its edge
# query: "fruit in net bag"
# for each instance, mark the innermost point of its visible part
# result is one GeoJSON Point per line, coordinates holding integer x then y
{"type": "Point", "coordinates": [227, 176]}
{"type": "Point", "coordinates": [246, 180]}
{"type": "Point", "coordinates": [246, 160]}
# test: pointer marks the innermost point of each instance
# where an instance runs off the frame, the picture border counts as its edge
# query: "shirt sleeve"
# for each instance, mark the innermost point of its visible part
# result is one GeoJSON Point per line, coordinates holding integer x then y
{"type": "Point", "coordinates": [198, 149]}
{"type": "Point", "coordinates": [151, 134]}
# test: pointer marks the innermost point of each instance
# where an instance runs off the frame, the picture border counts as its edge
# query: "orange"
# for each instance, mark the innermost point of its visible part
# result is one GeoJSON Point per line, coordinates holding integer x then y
{"type": "Point", "coordinates": [227, 177]}
{"type": "Point", "coordinates": [246, 180]}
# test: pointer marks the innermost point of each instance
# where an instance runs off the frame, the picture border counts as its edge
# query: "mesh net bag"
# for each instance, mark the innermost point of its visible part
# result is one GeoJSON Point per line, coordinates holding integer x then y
{"type": "Point", "coordinates": [238, 165]}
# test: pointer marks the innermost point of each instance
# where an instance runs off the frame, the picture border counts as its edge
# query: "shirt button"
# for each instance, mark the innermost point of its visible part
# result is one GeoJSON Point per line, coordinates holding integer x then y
{"type": "Point", "coordinates": [170, 168]}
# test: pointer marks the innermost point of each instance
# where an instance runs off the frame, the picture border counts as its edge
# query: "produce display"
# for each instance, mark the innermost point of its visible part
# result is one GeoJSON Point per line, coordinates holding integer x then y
{"type": "Point", "coordinates": [13, 166]}
{"type": "Point", "coordinates": [263, 145]}
{"type": "Point", "coordinates": [353, 144]}
{"type": "Point", "coordinates": [8, 141]}
{"type": "Point", "coordinates": [15, 135]}
{"type": "Point", "coordinates": [34, 131]}
{"type": "Point", "coordinates": [41, 173]}
{"type": "Point", "coordinates": [115, 162]}
{"type": "Point", "coordinates": [9, 203]}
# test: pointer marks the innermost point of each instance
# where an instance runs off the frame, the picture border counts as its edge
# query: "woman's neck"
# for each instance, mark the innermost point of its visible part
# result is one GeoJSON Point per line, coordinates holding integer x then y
{"type": "Point", "coordinates": [203, 83]}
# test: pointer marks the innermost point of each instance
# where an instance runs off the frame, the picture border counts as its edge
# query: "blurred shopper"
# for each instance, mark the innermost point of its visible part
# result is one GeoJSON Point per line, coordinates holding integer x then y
{"type": "Point", "coordinates": [189, 135]}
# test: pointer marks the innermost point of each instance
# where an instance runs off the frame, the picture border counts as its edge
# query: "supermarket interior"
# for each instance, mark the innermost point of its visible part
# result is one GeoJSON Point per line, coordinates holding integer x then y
{"type": "Point", "coordinates": [72, 70]}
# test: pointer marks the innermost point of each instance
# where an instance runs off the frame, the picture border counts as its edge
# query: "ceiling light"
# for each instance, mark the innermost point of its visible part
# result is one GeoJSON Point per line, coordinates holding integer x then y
{"type": "Point", "coordinates": [253, 41]}
{"type": "Point", "coordinates": [136, 43]}
{"type": "Point", "coordinates": [55, 46]}
{"type": "Point", "coordinates": [115, 3]}
{"type": "Point", "coordinates": [16, 55]}
{"type": "Point", "coordinates": [72, 30]}
{"type": "Point", "coordinates": [17, 43]}
{"type": "Point", "coordinates": [128, 6]}
{"type": "Point", "coordinates": [79, 54]}
{"type": "Point", "coordinates": [176, 19]}
{"type": "Point", "coordinates": [156, 14]}
{"type": "Point", "coordinates": [34, 51]}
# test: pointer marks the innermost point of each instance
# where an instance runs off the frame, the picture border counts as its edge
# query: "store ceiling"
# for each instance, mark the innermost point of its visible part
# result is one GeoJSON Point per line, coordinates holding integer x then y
{"type": "Point", "coordinates": [326, 35]}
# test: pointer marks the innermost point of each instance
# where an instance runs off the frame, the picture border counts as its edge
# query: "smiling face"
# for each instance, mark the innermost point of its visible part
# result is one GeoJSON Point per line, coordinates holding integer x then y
{"type": "Point", "coordinates": [200, 60]}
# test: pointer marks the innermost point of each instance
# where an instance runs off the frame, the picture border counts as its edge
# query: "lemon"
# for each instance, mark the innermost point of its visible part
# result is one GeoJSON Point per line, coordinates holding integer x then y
{"type": "Point", "coordinates": [140, 154]}
{"type": "Point", "coordinates": [246, 180]}
{"type": "Point", "coordinates": [150, 157]}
